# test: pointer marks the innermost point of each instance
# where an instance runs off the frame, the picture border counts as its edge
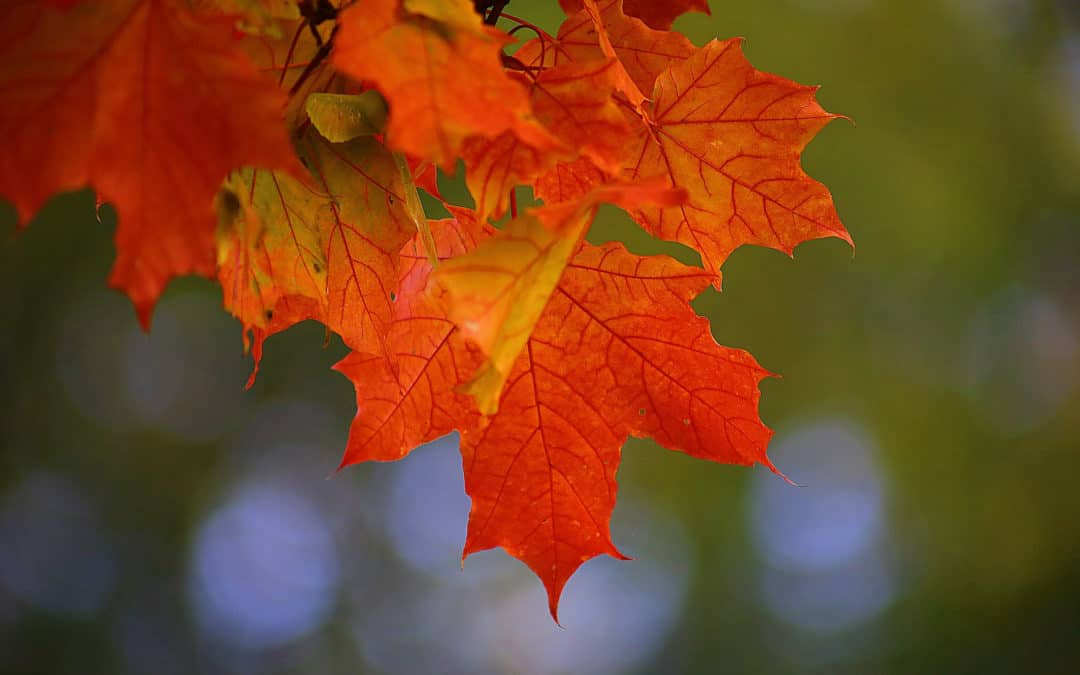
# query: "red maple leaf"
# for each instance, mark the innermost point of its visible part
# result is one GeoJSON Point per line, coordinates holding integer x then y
{"type": "Point", "coordinates": [602, 30]}
{"type": "Point", "coordinates": [448, 83]}
{"type": "Point", "coordinates": [148, 104]}
{"type": "Point", "coordinates": [326, 249]}
{"type": "Point", "coordinates": [398, 408]}
{"type": "Point", "coordinates": [613, 348]}
{"type": "Point", "coordinates": [616, 351]}
{"type": "Point", "coordinates": [732, 136]}
{"type": "Point", "coordinates": [574, 102]}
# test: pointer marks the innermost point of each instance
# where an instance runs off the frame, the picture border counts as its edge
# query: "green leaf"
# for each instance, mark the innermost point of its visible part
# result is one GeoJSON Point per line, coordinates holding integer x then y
{"type": "Point", "coordinates": [343, 117]}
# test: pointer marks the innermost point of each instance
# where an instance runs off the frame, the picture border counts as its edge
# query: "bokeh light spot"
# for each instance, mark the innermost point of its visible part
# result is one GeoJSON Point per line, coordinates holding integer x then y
{"type": "Point", "coordinates": [821, 543]}
{"type": "Point", "coordinates": [56, 555]}
{"type": "Point", "coordinates": [1022, 360]}
{"type": "Point", "coordinates": [616, 614]}
{"type": "Point", "coordinates": [264, 569]}
{"type": "Point", "coordinates": [427, 508]}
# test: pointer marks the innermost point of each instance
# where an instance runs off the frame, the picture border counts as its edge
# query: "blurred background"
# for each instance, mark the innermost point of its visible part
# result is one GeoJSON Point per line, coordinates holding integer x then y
{"type": "Point", "coordinates": [156, 518]}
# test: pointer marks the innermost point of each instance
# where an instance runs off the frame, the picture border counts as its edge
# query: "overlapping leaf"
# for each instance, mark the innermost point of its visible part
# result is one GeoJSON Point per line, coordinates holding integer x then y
{"type": "Point", "coordinates": [328, 248]}
{"type": "Point", "coordinates": [448, 83]}
{"type": "Point", "coordinates": [568, 180]}
{"type": "Point", "coordinates": [343, 117]}
{"type": "Point", "coordinates": [574, 102]}
{"type": "Point", "coordinates": [616, 351]}
{"type": "Point", "coordinates": [608, 31]}
{"type": "Point", "coordinates": [498, 291]}
{"type": "Point", "coordinates": [147, 103]}
{"type": "Point", "coordinates": [732, 136]}
{"type": "Point", "coordinates": [415, 401]}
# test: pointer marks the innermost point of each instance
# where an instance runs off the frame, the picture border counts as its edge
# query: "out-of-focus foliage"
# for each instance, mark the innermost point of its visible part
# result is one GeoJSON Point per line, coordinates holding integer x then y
{"type": "Point", "coordinates": [154, 517]}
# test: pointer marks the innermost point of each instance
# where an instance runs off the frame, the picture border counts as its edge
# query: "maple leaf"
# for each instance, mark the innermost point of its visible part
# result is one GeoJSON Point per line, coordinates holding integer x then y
{"type": "Point", "coordinates": [732, 136]}
{"type": "Point", "coordinates": [449, 83]}
{"type": "Point", "coordinates": [400, 408]}
{"type": "Point", "coordinates": [574, 102]}
{"type": "Point", "coordinates": [329, 248]}
{"type": "Point", "coordinates": [148, 104]}
{"type": "Point", "coordinates": [604, 30]}
{"type": "Point", "coordinates": [617, 351]}
{"type": "Point", "coordinates": [498, 291]}
{"type": "Point", "coordinates": [269, 246]}
{"type": "Point", "coordinates": [567, 180]}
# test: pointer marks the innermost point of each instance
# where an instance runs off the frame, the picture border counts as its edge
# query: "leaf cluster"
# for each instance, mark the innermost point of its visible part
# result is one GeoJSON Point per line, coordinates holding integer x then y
{"type": "Point", "coordinates": [279, 147]}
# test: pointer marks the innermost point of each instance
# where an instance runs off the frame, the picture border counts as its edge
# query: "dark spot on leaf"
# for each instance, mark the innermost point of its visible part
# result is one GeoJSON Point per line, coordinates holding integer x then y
{"type": "Point", "coordinates": [228, 207]}
{"type": "Point", "coordinates": [316, 267]}
{"type": "Point", "coordinates": [641, 411]}
{"type": "Point", "coordinates": [269, 314]}
{"type": "Point", "coordinates": [393, 296]}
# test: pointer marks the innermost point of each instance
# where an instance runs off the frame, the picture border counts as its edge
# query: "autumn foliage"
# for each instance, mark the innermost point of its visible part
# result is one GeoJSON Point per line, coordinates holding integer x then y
{"type": "Point", "coordinates": [279, 147]}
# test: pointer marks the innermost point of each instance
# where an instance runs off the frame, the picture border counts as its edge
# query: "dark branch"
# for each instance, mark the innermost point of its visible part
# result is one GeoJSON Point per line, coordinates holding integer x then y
{"type": "Point", "coordinates": [490, 10]}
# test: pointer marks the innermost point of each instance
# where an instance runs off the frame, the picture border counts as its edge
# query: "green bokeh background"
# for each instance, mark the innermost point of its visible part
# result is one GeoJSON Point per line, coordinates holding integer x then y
{"type": "Point", "coordinates": [949, 340]}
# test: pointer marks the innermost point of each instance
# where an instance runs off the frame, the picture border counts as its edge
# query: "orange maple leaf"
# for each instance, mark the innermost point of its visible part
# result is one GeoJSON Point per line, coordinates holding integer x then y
{"type": "Point", "coordinates": [574, 102]}
{"type": "Point", "coordinates": [617, 351]}
{"type": "Point", "coordinates": [148, 104]}
{"type": "Point", "coordinates": [732, 136]}
{"type": "Point", "coordinates": [325, 250]}
{"type": "Point", "coordinates": [567, 180]}
{"type": "Point", "coordinates": [415, 402]}
{"type": "Point", "coordinates": [447, 83]}
{"type": "Point", "coordinates": [498, 291]}
{"type": "Point", "coordinates": [604, 30]}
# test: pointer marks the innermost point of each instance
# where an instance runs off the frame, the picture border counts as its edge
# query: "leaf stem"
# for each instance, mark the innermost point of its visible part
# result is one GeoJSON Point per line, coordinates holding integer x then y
{"type": "Point", "coordinates": [522, 22]}
{"type": "Point", "coordinates": [316, 61]}
{"type": "Point", "coordinates": [289, 55]}
{"type": "Point", "coordinates": [416, 210]}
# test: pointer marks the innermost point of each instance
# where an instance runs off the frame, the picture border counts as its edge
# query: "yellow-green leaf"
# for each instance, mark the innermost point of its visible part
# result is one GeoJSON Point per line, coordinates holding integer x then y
{"type": "Point", "coordinates": [343, 117]}
{"type": "Point", "coordinates": [498, 290]}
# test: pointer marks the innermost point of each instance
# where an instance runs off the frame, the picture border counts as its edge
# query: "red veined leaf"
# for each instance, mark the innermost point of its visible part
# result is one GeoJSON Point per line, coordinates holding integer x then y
{"type": "Point", "coordinates": [574, 102]}
{"type": "Point", "coordinates": [448, 83]}
{"type": "Point", "coordinates": [148, 104]}
{"type": "Point", "coordinates": [399, 408]}
{"type": "Point", "coordinates": [732, 137]}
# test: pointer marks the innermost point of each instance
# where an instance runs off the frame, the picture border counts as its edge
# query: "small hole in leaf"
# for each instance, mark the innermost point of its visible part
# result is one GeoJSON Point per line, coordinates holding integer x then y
{"type": "Point", "coordinates": [641, 411]}
{"type": "Point", "coordinates": [269, 314]}
{"type": "Point", "coordinates": [393, 296]}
